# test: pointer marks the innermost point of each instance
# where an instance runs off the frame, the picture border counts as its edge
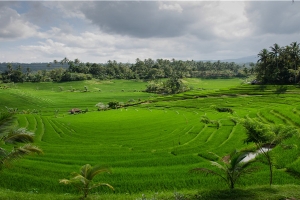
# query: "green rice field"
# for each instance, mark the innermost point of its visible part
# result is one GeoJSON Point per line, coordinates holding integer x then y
{"type": "Point", "coordinates": [151, 144]}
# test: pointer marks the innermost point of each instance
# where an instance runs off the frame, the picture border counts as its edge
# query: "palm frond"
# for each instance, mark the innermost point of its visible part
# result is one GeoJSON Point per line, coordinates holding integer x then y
{"type": "Point", "coordinates": [20, 152]}
{"type": "Point", "coordinates": [215, 154]}
{"type": "Point", "coordinates": [81, 179]}
{"type": "Point", "coordinates": [96, 170]}
{"type": "Point", "coordinates": [29, 149]}
{"type": "Point", "coordinates": [218, 165]}
{"type": "Point", "coordinates": [5, 117]}
{"type": "Point", "coordinates": [237, 157]}
{"type": "Point", "coordinates": [3, 152]}
{"type": "Point", "coordinates": [85, 170]}
{"type": "Point", "coordinates": [101, 184]}
{"type": "Point", "coordinates": [65, 181]}
{"type": "Point", "coordinates": [18, 135]}
{"type": "Point", "coordinates": [208, 171]}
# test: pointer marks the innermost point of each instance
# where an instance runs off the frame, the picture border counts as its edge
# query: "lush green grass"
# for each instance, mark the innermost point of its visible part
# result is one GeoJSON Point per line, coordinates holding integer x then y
{"type": "Point", "coordinates": [151, 146]}
{"type": "Point", "coordinates": [276, 192]}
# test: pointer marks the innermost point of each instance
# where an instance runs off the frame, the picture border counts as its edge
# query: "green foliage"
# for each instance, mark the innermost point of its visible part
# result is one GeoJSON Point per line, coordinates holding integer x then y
{"type": "Point", "coordinates": [172, 85]}
{"type": "Point", "coordinates": [147, 69]}
{"type": "Point", "coordinates": [5, 117]}
{"type": "Point", "coordinates": [83, 181]}
{"type": "Point", "coordinates": [15, 136]}
{"type": "Point", "coordinates": [224, 110]}
{"type": "Point", "coordinates": [206, 120]}
{"type": "Point", "coordinates": [175, 85]}
{"type": "Point", "coordinates": [114, 104]}
{"type": "Point", "coordinates": [231, 168]}
{"type": "Point", "coordinates": [268, 136]}
{"type": "Point", "coordinates": [280, 65]}
{"type": "Point", "coordinates": [261, 133]}
{"type": "Point", "coordinates": [257, 132]}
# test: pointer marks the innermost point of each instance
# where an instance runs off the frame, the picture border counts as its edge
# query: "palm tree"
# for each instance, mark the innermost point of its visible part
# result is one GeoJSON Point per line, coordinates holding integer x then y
{"type": "Point", "coordinates": [275, 51]}
{"type": "Point", "coordinates": [295, 54]}
{"type": "Point", "coordinates": [232, 167]}
{"type": "Point", "coordinates": [15, 136]}
{"type": "Point", "coordinates": [84, 180]}
{"type": "Point", "coordinates": [263, 56]}
{"type": "Point", "coordinates": [63, 61]}
{"type": "Point", "coordinates": [76, 61]}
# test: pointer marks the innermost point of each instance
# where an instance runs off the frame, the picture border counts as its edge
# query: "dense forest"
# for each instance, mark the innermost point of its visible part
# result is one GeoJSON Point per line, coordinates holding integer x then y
{"type": "Point", "coordinates": [148, 69]}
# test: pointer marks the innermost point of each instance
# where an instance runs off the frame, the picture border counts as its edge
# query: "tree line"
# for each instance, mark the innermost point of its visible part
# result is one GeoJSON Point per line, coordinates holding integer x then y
{"type": "Point", "coordinates": [148, 69]}
{"type": "Point", "coordinates": [279, 65]}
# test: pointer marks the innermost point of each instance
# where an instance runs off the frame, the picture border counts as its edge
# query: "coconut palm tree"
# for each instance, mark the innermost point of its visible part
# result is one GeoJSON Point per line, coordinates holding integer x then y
{"type": "Point", "coordinates": [295, 55]}
{"type": "Point", "coordinates": [76, 61]}
{"type": "Point", "coordinates": [275, 51]}
{"type": "Point", "coordinates": [231, 168]}
{"type": "Point", "coordinates": [15, 136]}
{"type": "Point", "coordinates": [65, 60]}
{"type": "Point", "coordinates": [263, 56]}
{"type": "Point", "coordinates": [84, 180]}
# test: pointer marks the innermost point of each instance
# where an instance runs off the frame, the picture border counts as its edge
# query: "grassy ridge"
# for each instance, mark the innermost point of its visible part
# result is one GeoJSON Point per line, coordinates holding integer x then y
{"type": "Point", "coordinates": [150, 146]}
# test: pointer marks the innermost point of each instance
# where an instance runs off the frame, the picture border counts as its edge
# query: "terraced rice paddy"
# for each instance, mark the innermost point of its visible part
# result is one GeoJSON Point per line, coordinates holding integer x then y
{"type": "Point", "coordinates": [150, 146]}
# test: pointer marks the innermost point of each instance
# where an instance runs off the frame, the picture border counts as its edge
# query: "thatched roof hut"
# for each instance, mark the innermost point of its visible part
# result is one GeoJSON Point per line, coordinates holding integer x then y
{"type": "Point", "coordinates": [75, 110]}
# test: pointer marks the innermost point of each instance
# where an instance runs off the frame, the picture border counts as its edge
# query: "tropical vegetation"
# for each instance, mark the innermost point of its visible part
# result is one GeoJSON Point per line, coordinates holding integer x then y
{"type": "Point", "coordinates": [280, 65]}
{"type": "Point", "coordinates": [14, 136]}
{"type": "Point", "coordinates": [151, 141]}
{"type": "Point", "coordinates": [231, 168]}
{"type": "Point", "coordinates": [147, 69]}
{"type": "Point", "coordinates": [83, 181]}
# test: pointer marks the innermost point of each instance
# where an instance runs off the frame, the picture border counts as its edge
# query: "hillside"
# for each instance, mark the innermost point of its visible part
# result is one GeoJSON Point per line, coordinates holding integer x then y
{"type": "Point", "coordinates": [153, 142]}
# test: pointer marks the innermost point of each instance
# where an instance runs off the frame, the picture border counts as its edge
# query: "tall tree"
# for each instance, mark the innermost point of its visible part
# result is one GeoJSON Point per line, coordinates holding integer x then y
{"type": "Point", "coordinates": [275, 50]}
{"type": "Point", "coordinates": [295, 56]}
{"type": "Point", "coordinates": [64, 61]}
{"type": "Point", "coordinates": [263, 56]}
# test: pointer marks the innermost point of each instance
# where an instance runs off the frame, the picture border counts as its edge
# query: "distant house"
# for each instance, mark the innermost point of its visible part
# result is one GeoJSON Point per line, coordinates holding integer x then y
{"type": "Point", "coordinates": [75, 110]}
{"type": "Point", "coordinates": [255, 82]}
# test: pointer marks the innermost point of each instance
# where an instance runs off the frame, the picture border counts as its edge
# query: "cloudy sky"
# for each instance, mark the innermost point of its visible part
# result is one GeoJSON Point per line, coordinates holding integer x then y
{"type": "Point", "coordinates": [98, 31]}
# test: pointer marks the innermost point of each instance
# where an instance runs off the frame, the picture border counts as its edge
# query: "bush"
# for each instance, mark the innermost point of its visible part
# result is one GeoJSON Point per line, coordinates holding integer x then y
{"type": "Point", "coordinates": [113, 104]}
{"type": "Point", "coordinates": [224, 110]}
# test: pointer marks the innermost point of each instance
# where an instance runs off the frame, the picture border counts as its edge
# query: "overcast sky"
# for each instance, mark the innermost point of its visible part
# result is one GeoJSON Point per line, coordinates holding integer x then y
{"type": "Point", "coordinates": [98, 31]}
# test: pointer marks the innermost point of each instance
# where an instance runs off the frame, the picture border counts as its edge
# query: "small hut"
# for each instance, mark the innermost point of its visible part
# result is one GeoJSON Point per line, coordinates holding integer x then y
{"type": "Point", "coordinates": [75, 110]}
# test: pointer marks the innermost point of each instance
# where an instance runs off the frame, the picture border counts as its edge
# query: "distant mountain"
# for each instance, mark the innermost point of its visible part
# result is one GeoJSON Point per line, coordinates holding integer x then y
{"type": "Point", "coordinates": [247, 59]}
{"type": "Point", "coordinates": [32, 66]}
{"type": "Point", "coordinates": [243, 60]}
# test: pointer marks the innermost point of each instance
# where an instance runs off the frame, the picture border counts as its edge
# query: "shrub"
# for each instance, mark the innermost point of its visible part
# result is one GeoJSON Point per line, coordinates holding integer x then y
{"type": "Point", "coordinates": [224, 110]}
{"type": "Point", "coordinates": [113, 104]}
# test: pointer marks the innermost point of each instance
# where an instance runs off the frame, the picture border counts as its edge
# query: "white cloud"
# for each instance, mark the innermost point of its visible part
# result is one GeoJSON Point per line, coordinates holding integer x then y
{"type": "Point", "coordinates": [123, 31]}
{"type": "Point", "coordinates": [173, 7]}
{"type": "Point", "coordinates": [12, 26]}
